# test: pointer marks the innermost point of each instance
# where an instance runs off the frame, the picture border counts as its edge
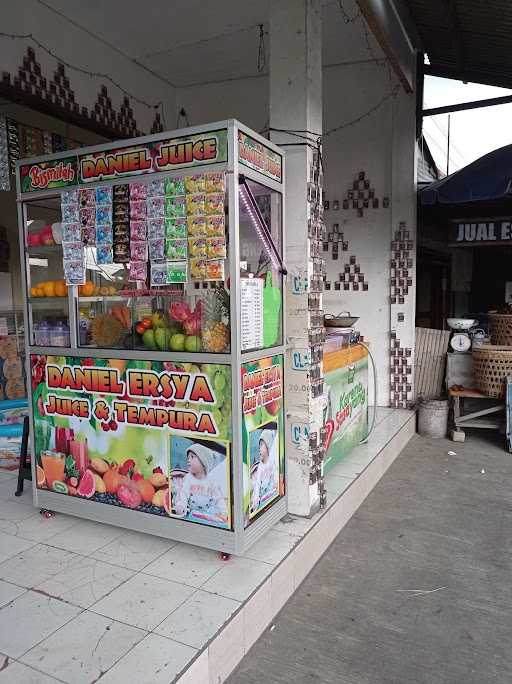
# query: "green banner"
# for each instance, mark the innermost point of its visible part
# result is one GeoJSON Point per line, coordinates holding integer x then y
{"type": "Point", "coordinates": [346, 413]}
{"type": "Point", "coordinates": [146, 435]}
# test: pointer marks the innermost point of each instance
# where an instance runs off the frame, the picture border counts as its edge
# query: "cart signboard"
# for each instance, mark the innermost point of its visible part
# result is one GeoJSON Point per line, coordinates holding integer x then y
{"type": "Point", "coordinates": [259, 157]}
{"type": "Point", "coordinates": [146, 435]}
{"type": "Point", "coordinates": [346, 413]}
{"type": "Point", "coordinates": [154, 157]}
{"type": "Point", "coordinates": [49, 175]}
{"type": "Point", "coordinates": [262, 434]}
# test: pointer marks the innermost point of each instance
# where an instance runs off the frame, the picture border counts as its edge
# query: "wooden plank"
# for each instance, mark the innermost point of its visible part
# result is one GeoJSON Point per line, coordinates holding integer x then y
{"type": "Point", "coordinates": [428, 363]}
{"type": "Point", "coordinates": [430, 355]}
{"type": "Point", "coordinates": [417, 358]}
{"type": "Point", "coordinates": [420, 345]}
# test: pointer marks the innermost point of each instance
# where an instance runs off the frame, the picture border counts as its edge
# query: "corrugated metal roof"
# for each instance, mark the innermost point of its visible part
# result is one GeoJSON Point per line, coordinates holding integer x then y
{"type": "Point", "coordinates": [466, 39]}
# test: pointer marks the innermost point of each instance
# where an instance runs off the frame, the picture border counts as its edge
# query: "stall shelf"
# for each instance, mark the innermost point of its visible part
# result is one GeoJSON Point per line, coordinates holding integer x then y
{"type": "Point", "coordinates": [154, 327]}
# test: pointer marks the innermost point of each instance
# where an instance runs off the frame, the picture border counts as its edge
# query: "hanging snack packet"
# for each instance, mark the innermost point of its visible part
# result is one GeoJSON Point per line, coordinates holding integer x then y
{"type": "Point", "coordinates": [196, 204]}
{"type": "Point", "coordinates": [121, 211]}
{"type": "Point", "coordinates": [214, 203]}
{"type": "Point", "coordinates": [74, 272]}
{"type": "Point", "coordinates": [139, 250]}
{"type": "Point", "coordinates": [121, 253]}
{"type": "Point", "coordinates": [215, 226]}
{"type": "Point", "coordinates": [104, 194]}
{"type": "Point", "coordinates": [138, 191]}
{"type": "Point", "coordinates": [89, 235]}
{"type": "Point", "coordinates": [198, 269]}
{"type": "Point", "coordinates": [121, 232]}
{"type": "Point", "coordinates": [196, 226]}
{"type": "Point", "coordinates": [71, 232]}
{"type": "Point", "coordinates": [175, 207]}
{"type": "Point", "coordinates": [104, 235]}
{"type": "Point", "coordinates": [156, 228]}
{"type": "Point", "coordinates": [87, 197]}
{"type": "Point", "coordinates": [215, 270]}
{"type": "Point", "coordinates": [176, 272]}
{"type": "Point", "coordinates": [138, 230]}
{"type": "Point", "coordinates": [87, 217]}
{"type": "Point", "coordinates": [176, 249]}
{"type": "Point", "coordinates": [104, 254]}
{"type": "Point", "coordinates": [69, 197]}
{"type": "Point", "coordinates": [197, 247]}
{"type": "Point", "coordinates": [215, 182]}
{"type": "Point", "coordinates": [157, 249]}
{"type": "Point", "coordinates": [138, 270]}
{"type": "Point", "coordinates": [176, 228]}
{"type": "Point", "coordinates": [70, 213]}
{"type": "Point", "coordinates": [156, 207]}
{"type": "Point", "coordinates": [195, 183]}
{"type": "Point", "coordinates": [72, 251]}
{"type": "Point", "coordinates": [216, 248]}
{"type": "Point", "coordinates": [138, 210]}
{"type": "Point", "coordinates": [103, 214]}
{"type": "Point", "coordinates": [121, 193]}
{"type": "Point", "coordinates": [156, 188]}
{"type": "Point", "coordinates": [174, 186]}
{"type": "Point", "coordinates": [159, 273]}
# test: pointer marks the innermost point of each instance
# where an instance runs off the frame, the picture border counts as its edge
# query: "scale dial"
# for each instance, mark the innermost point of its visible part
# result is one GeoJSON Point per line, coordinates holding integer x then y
{"type": "Point", "coordinates": [460, 342]}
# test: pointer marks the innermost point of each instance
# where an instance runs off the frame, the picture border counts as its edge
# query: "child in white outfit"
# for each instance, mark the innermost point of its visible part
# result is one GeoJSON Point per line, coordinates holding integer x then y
{"type": "Point", "coordinates": [265, 482]}
{"type": "Point", "coordinates": [199, 495]}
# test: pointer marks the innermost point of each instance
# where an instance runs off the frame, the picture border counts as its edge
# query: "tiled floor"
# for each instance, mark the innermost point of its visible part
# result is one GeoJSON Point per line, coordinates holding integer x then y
{"type": "Point", "coordinates": [81, 601]}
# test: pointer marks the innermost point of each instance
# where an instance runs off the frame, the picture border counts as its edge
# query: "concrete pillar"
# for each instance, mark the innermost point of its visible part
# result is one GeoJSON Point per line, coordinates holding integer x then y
{"type": "Point", "coordinates": [296, 104]}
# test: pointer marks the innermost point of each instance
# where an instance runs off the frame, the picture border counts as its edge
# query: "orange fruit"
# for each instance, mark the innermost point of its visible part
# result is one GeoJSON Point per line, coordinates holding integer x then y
{"type": "Point", "coordinates": [49, 288]}
{"type": "Point", "coordinates": [39, 291]}
{"type": "Point", "coordinates": [34, 292]}
{"type": "Point", "coordinates": [146, 490]}
{"type": "Point", "coordinates": [41, 478]}
{"type": "Point", "coordinates": [87, 289]}
{"type": "Point", "coordinates": [61, 289]}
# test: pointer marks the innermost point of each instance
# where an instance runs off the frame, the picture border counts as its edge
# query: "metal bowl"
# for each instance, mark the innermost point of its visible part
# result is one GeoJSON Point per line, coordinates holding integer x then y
{"type": "Point", "coordinates": [342, 320]}
{"type": "Point", "coordinates": [461, 323]}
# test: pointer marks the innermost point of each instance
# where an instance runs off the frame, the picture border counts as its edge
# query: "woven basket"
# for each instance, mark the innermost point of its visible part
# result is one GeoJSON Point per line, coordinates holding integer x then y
{"type": "Point", "coordinates": [491, 365]}
{"type": "Point", "coordinates": [501, 328]}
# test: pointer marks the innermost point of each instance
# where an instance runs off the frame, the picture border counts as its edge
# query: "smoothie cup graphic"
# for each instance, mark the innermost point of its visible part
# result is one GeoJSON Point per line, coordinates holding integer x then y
{"type": "Point", "coordinates": [80, 454]}
{"type": "Point", "coordinates": [53, 466]}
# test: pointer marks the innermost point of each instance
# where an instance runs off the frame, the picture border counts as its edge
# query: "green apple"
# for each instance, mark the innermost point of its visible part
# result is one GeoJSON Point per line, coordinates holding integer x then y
{"type": "Point", "coordinates": [148, 338]}
{"type": "Point", "coordinates": [178, 342]}
{"type": "Point", "coordinates": [192, 343]}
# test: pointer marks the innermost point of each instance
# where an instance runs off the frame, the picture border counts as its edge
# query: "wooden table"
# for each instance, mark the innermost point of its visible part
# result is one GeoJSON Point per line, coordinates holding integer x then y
{"type": "Point", "coordinates": [487, 418]}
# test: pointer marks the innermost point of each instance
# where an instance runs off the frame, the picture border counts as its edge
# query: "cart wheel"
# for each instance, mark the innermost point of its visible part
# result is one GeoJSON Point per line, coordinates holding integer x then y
{"type": "Point", "coordinates": [224, 556]}
{"type": "Point", "coordinates": [46, 513]}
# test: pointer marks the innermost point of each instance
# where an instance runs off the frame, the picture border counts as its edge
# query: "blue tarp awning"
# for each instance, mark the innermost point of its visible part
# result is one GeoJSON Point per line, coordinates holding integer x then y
{"type": "Point", "coordinates": [485, 180]}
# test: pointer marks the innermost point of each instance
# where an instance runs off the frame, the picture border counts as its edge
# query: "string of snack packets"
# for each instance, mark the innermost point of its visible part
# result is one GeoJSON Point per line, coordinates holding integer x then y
{"type": "Point", "coordinates": [170, 228]}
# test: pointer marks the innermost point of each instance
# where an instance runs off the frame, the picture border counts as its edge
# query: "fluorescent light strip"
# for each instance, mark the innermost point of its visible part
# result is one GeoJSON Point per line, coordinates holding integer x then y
{"type": "Point", "coordinates": [256, 221]}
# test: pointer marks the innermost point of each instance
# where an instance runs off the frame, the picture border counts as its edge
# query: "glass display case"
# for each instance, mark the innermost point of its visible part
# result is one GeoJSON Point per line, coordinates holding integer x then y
{"type": "Point", "coordinates": [154, 333]}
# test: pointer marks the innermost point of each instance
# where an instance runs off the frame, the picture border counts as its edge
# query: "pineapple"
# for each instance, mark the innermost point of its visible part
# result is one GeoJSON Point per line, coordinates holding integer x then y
{"type": "Point", "coordinates": [215, 332]}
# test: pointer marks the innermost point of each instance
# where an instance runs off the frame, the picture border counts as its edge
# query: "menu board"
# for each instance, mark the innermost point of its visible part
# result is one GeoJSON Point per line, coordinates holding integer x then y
{"type": "Point", "coordinates": [251, 296]}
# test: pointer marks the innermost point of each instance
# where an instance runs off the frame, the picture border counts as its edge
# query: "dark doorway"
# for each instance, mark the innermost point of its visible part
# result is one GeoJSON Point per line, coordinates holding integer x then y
{"type": "Point", "coordinates": [432, 289]}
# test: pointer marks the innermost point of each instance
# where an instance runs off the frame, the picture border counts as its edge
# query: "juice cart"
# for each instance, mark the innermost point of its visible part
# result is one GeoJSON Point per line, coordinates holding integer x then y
{"type": "Point", "coordinates": [152, 273]}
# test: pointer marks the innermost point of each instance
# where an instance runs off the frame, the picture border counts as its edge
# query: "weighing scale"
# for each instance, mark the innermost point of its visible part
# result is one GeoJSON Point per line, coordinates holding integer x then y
{"type": "Point", "coordinates": [461, 337]}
